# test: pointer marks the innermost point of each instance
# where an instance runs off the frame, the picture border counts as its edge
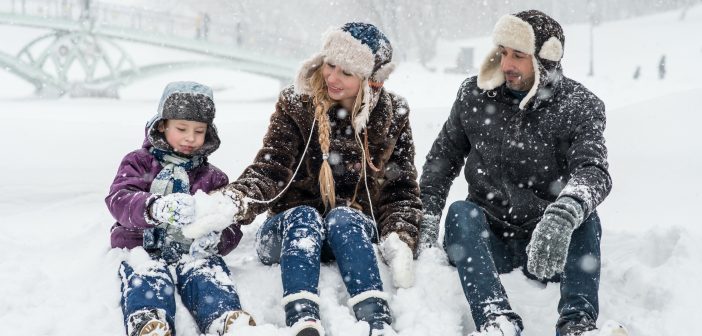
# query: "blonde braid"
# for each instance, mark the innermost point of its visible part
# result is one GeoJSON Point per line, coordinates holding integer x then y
{"type": "Point", "coordinates": [322, 104]}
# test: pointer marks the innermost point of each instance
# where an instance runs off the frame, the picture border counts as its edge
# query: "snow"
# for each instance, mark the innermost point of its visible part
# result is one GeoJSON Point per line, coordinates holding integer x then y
{"type": "Point", "coordinates": [398, 256]}
{"type": "Point", "coordinates": [59, 275]}
{"type": "Point", "coordinates": [212, 213]}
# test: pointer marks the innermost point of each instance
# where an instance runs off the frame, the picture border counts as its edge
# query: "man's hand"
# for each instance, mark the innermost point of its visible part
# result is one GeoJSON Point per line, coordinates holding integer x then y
{"type": "Point", "coordinates": [548, 249]}
{"type": "Point", "coordinates": [176, 209]}
{"type": "Point", "coordinates": [398, 255]}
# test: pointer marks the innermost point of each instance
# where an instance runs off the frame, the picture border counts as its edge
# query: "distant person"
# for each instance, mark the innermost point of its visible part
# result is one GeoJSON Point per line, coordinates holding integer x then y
{"type": "Point", "coordinates": [151, 200]}
{"type": "Point", "coordinates": [535, 161]}
{"type": "Point", "coordinates": [336, 174]}
{"type": "Point", "coordinates": [661, 67]}
{"type": "Point", "coordinates": [205, 26]}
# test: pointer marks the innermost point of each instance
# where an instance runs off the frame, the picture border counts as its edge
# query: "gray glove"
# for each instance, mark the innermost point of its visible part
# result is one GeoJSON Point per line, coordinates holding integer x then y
{"type": "Point", "coordinates": [428, 231]}
{"type": "Point", "coordinates": [548, 249]}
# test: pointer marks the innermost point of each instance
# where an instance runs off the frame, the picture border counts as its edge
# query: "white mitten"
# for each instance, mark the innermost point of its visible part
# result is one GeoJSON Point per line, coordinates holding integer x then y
{"type": "Point", "coordinates": [399, 257]}
{"type": "Point", "coordinates": [213, 212]}
{"type": "Point", "coordinates": [176, 209]}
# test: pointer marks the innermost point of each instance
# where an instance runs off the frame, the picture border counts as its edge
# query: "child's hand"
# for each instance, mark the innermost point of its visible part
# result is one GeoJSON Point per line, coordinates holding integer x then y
{"type": "Point", "coordinates": [176, 209]}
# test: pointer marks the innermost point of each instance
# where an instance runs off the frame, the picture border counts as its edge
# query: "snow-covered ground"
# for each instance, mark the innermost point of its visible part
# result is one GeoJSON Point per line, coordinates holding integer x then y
{"type": "Point", "coordinates": [58, 275]}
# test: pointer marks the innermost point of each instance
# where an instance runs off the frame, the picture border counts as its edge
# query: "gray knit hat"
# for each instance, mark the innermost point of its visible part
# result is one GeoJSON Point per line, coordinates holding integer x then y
{"type": "Point", "coordinates": [531, 32]}
{"type": "Point", "coordinates": [185, 101]}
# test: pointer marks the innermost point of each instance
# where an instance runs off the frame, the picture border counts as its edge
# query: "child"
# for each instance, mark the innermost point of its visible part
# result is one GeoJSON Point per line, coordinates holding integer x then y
{"type": "Point", "coordinates": [151, 200]}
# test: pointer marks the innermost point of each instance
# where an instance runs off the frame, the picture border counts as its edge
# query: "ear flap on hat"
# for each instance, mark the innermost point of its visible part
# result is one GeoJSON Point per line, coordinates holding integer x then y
{"type": "Point", "coordinates": [361, 118]}
{"type": "Point", "coordinates": [383, 72]}
{"type": "Point", "coordinates": [538, 72]}
{"type": "Point", "coordinates": [490, 75]}
{"type": "Point", "coordinates": [552, 49]}
{"type": "Point", "coordinates": [309, 66]}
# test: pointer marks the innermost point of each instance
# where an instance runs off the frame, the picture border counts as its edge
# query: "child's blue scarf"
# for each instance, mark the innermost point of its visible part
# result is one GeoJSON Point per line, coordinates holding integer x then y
{"type": "Point", "coordinates": [173, 177]}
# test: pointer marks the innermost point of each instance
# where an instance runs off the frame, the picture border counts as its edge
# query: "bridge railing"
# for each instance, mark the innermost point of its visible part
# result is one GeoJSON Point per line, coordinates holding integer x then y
{"type": "Point", "coordinates": [62, 9]}
{"type": "Point", "coordinates": [198, 26]}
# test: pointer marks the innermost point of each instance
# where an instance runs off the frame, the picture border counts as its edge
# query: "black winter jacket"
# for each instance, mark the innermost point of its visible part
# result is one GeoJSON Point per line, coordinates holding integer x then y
{"type": "Point", "coordinates": [519, 161]}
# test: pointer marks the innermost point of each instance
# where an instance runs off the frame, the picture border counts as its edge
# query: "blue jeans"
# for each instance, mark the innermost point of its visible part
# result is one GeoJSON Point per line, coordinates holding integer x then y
{"type": "Point", "coordinates": [200, 285]}
{"type": "Point", "coordinates": [480, 256]}
{"type": "Point", "coordinates": [300, 239]}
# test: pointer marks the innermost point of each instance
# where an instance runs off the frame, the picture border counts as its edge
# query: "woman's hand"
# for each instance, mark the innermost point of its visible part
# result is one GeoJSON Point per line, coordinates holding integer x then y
{"type": "Point", "coordinates": [398, 255]}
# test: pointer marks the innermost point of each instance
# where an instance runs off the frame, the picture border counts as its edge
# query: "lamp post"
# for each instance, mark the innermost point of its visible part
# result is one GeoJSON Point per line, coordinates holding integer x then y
{"type": "Point", "coordinates": [592, 10]}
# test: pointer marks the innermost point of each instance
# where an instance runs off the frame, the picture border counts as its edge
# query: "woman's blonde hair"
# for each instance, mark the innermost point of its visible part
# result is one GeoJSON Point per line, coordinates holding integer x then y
{"type": "Point", "coordinates": [322, 103]}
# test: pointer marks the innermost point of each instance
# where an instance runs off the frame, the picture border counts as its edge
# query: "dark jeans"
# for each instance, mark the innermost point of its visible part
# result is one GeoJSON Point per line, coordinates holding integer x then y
{"type": "Point", "coordinates": [480, 256]}
{"type": "Point", "coordinates": [300, 239]}
{"type": "Point", "coordinates": [204, 287]}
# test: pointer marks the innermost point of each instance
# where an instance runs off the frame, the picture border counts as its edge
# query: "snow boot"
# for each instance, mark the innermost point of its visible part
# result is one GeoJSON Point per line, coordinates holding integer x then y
{"type": "Point", "coordinates": [498, 325]}
{"type": "Point", "coordinates": [371, 307]}
{"type": "Point", "coordinates": [384, 330]}
{"type": "Point", "coordinates": [576, 328]}
{"type": "Point", "coordinates": [148, 322]}
{"type": "Point", "coordinates": [225, 322]}
{"type": "Point", "coordinates": [307, 327]}
{"type": "Point", "coordinates": [302, 314]}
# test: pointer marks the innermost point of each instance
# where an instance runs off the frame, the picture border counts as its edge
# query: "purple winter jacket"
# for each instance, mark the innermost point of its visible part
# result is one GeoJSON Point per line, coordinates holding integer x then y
{"type": "Point", "coordinates": [130, 197]}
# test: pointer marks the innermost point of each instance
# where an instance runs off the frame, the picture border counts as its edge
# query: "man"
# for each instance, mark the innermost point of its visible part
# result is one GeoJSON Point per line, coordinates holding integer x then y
{"type": "Point", "coordinates": [536, 165]}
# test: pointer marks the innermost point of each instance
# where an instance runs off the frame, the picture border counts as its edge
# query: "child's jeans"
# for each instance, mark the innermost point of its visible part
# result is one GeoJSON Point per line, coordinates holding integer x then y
{"type": "Point", "coordinates": [300, 239]}
{"type": "Point", "coordinates": [204, 286]}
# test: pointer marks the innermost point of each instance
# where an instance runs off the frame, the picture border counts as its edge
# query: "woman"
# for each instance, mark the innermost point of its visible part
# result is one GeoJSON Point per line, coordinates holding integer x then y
{"type": "Point", "coordinates": [330, 199]}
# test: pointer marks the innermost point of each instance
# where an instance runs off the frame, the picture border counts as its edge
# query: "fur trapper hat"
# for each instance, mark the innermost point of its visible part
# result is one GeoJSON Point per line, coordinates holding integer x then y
{"type": "Point", "coordinates": [185, 101]}
{"type": "Point", "coordinates": [359, 48]}
{"type": "Point", "coordinates": [531, 32]}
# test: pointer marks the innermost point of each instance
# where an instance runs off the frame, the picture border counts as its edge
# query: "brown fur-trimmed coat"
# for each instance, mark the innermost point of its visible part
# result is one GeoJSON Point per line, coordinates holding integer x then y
{"type": "Point", "coordinates": [394, 189]}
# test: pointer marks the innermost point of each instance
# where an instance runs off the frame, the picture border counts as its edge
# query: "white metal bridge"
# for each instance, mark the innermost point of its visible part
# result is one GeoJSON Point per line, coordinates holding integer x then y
{"type": "Point", "coordinates": [82, 38]}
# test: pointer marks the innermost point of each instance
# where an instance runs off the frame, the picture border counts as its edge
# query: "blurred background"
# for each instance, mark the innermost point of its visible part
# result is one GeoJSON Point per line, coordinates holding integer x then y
{"type": "Point", "coordinates": [264, 37]}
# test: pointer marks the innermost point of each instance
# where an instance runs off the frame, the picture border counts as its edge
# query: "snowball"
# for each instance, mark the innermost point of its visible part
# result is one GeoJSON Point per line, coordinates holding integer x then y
{"type": "Point", "coordinates": [214, 212]}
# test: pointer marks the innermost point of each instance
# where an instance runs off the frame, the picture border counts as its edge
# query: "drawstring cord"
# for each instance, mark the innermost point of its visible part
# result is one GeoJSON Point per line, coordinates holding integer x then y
{"type": "Point", "coordinates": [299, 164]}
{"type": "Point", "coordinates": [364, 158]}
{"type": "Point", "coordinates": [365, 181]}
{"type": "Point", "coordinates": [367, 151]}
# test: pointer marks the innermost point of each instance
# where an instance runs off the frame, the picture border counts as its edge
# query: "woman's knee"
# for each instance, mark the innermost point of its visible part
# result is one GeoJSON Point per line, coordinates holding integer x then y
{"type": "Point", "coordinates": [268, 252]}
{"type": "Point", "coordinates": [344, 220]}
{"type": "Point", "coordinates": [302, 216]}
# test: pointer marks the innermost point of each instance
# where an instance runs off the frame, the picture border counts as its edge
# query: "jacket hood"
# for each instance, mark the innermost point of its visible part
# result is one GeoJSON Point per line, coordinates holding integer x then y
{"type": "Point", "coordinates": [186, 101]}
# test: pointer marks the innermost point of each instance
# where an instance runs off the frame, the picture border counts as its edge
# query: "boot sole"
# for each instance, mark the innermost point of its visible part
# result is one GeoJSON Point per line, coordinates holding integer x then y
{"type": "Point", "coordinates": [155, 328]}
{"type": "Point", "coordinates": [308, 332]}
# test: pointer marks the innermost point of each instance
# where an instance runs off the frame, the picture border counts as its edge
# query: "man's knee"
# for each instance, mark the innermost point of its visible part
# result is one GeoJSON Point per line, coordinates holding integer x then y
{"type": "Point", "coordinates": [465, 226]}
{"type": "Point", "coordinates": [464, 219]}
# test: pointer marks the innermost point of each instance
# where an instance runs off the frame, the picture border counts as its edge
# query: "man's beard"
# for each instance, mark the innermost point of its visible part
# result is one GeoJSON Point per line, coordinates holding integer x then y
{"type": "Point", "coordinates": [521, 84]}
